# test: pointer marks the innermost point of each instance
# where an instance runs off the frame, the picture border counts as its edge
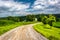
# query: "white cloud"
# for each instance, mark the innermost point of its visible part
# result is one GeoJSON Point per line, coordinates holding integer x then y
{"type": "Point", "coordinates": [38, 7]}
{"type": "Point", "coordinates": [47, 5]}
{"type": "Point", "coordinates": [12, 8]}
{"type": "Point", "coordinates": [40, 4]}
{"type": "Point", "coordinates": [13, 5]}
{"type": "Point", "coordinates": [52, 2]}
{"type": "Point", "coordinates": [17, 8]}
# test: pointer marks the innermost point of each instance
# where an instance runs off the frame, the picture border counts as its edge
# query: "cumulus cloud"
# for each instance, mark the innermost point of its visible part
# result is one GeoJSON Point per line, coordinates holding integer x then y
{"type": "Point", "coordinates": [8, 7]}
{"type": "Point", "coordinates": [24, 7]}
{"type": "Point", "coordinates": [46, 3]}
{"type": "Point", "coordinates": [51, 6]}
{"type": "Point", "coordinates": [53, 2]}
{"type": "Point", "coordinates": [13, 5]}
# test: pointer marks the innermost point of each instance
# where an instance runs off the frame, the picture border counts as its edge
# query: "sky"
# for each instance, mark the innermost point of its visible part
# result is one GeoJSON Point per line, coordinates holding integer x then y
{"type": "Point", "coordinates": [25, 7]}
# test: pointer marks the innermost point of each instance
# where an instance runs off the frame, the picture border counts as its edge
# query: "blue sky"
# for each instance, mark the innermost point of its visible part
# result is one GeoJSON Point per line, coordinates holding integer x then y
{"type": "Point", "coordinates": [25, 7]}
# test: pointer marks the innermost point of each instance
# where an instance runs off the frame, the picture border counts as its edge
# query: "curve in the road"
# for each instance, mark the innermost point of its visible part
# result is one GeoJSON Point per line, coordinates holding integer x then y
{"type": "Point", "coordinates": [25, 32]}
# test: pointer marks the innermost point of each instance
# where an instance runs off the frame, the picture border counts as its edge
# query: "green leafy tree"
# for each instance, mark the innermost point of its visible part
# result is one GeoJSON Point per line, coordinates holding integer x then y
{"type": "Point", "coordinates": [40, 17]}
{"type": "Point", "coordinates": [51, 19]}
{"type": "Point", "coordinates": [48, 19]}
{"type": "Point", "coordinates": [30, 17]}
{"type": "Point", "coordinates": [44, 19]}
{"type": "Point", "coordinates": [16, 19]}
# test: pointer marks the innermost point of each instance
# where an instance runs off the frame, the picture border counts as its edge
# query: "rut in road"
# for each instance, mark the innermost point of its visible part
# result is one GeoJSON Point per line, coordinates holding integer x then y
{"type": "Point", "coordinates": [25, 32]}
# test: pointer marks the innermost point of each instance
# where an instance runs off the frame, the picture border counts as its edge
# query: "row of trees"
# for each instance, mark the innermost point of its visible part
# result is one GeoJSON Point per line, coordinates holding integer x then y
{"type": "Point", "coordinates": [46, 19]}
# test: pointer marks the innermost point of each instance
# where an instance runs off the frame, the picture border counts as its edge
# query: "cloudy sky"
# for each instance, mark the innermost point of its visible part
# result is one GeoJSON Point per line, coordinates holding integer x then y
{"type": "Point", "coordinates": [24, 7]}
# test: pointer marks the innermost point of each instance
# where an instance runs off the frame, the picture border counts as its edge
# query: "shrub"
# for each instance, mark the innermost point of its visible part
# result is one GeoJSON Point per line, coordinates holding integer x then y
{"type": "Point", "coordinates": [53, 38]}
{"type": "Point", "coordinates": [49, 19]}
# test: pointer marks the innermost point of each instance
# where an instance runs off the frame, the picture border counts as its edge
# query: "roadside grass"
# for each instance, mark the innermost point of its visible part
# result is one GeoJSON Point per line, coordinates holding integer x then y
{"type": "Point", "coordinates": [56, 24]}
{"type": "Point", "coordinates": [51, 33]}
{"type": "Point", "coordinates": [9, 26]}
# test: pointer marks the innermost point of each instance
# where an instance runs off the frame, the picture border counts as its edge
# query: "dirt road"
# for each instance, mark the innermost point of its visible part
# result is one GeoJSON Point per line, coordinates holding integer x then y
{"type": "Point", "coordinates": [25, 32]}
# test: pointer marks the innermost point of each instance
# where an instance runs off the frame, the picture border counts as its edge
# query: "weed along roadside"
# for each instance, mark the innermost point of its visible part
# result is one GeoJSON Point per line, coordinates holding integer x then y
{"type": "Point", "coordinates": [46, 31]}
{"type": "Point", "coordinates": [8, 27]}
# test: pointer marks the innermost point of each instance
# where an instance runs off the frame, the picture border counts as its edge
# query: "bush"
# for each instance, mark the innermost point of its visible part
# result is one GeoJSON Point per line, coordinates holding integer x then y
{"type": "Point", "coordinates": [5, 22]}
{"type": "Point", "coordinates": [53, 38]}
{"type": "Point", "coordinates": [49, 19]}
{"type": "Point", "coordinates": [44, 19]}
{"type": "Point", "coordinates": [30, 18]}
{"type": "Point", "coordinates": [56, 24]}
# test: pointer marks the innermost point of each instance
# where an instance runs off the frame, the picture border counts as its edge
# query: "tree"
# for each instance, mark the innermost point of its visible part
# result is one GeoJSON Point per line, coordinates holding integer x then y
{"type": "Point", "coordinates": [44, 19]}
{"type": "Point", "coordinates": [16, 19]}
{"type": "Point", "coordinates": [48, 19]}
{"type": "Point", "coordinates": [40, 17]}
{"type": "Point", "coordinates": [51, 19]}
{"type": "Point", "coordinates": [30, 17]}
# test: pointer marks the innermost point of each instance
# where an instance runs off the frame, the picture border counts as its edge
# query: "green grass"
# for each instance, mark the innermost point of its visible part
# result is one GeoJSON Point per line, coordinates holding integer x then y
{"type": "Point", "coordinates": [52, 33]}
{"type": "Point", "coordinates": [6, 22]}
{"type": "Point", "coordinates": [8, 26]}
{"type": "Point", "coordinates": [56, 24]}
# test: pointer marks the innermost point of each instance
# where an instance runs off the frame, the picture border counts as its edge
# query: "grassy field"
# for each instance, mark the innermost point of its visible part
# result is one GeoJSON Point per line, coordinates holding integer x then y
{"type": "Point", "coordinates": [56, 24]}
{"type": "Point", "coordinates": [6, 25]}
{"type": "Point", "coordinates": [52, 33]}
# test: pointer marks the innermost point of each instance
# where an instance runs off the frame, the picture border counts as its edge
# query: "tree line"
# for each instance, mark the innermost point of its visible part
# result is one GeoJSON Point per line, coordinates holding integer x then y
{"type": "Point", "coordinates": [46, 19]}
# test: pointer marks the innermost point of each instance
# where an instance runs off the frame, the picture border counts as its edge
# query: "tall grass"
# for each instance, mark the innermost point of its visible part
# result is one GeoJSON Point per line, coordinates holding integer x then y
{"type": "Point", "coordinates": [52, 33]}
{"type": "Point", "coordinates": [56, 24]}
{"type": "Point", "coordinates": [6, 25]}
